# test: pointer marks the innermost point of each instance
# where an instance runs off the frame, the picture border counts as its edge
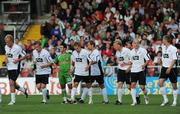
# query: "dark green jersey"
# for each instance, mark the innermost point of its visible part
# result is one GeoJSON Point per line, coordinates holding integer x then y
{"type": "Point", "coordinates": [64, 61]}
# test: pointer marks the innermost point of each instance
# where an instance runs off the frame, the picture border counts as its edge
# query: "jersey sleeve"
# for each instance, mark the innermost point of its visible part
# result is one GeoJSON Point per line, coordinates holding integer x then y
{"type": "Point", "coordinates": [21, 51]}
{"type": "Point", "coordinates": [95, 57]}
{"type": "Point", "coordinates": [33, 56]}
{"type": "Point", "coordinates": [129, 54]}
{"type": "Point", "coordinates": [49, 58]}
{"type": "Point", "coordinates": [73, 57]}
{"type": "Point", "coordinates": [146, 55]}
{"type": "Point", "coordinates": [5, 49]}
{"type": "Point", "coordinates": [174, 54]}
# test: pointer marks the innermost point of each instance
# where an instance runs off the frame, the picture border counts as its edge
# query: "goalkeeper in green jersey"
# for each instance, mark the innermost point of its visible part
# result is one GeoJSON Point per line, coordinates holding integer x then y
{"type": "Point", "coordinates": [64, 61]}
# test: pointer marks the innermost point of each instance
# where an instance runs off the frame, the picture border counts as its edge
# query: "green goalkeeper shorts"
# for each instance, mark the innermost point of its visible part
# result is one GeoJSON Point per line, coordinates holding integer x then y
{"type": "Point", "coordinates": [64, 78]}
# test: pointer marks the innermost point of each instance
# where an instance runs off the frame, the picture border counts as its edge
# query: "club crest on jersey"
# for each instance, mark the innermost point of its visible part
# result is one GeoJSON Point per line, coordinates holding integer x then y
{"type": "Point", "coordinates": [165, 55]}
{"type": "Point", "coordinates": [78, 59]}
{"type": "Point", "coordinates": [135, 57]}
{"type": "Point", "coordinates": [9, 55]}
{"type": "Point", "coordinates": [39, 59]}
{"type": "Point", "coordinates": [121, 58]}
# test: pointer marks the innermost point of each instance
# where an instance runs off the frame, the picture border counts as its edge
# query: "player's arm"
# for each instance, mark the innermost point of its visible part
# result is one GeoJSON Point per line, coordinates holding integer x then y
{"type": "Point", "coordinates": [49, 61]}
{"type": "Point", "coordinates": [147, 58]}
{"type": "Point", "coordinates": [174, 57]}
{"type": "Point", "coordinates": [6, 60]}
{"type": "Point", "coordinates": [72, 63]}
{"type": "Point", "coordinates": [56, 61]}
{"type": "Point", "coordinates": [92, 60]}
{"type": "Point", "coordinates": [23, 56]}
{"type": "Point", "coordinates": [129, 63]}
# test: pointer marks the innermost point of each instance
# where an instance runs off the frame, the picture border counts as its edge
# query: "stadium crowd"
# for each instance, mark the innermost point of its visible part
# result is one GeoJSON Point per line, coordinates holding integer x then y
{"type": "Point", "coordinates": [104, 21]}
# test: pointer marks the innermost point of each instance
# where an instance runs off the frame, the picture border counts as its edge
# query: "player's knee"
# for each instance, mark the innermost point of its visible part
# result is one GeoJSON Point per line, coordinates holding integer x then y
{"type": "Point", "coordinates": [128, 87]}
{"type": "Point", "coordinates": [11, 83]}
{"type": "Point", "coordinates": [133, 85]}
{"type": "Point", "coordinates": [142, 87]}
{"type": "Point", "coordinates": [160, 83]}
{"type": "Point", "coordinates": [174, 85]}
{"type": "Point", "coordinates": [88, 85]}
{"type": "Point", "coordinates": [75, 84]}
{"type": "Point", "coordinates": [120, 85]}
{"type": "Point", "coordinates": [69, 86]}
{"type": "Point", "coordinates": [43, 86]}
{"type": "Point", "coordinates": [63, 86]}
{"type": "Point", "coordinates": [102, 86]}
{"type": "Point", "coordinates": [16, 86]}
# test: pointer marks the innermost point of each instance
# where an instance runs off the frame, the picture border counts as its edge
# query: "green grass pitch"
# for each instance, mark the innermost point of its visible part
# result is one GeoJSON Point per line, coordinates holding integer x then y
{"type": "Point", "coordinates": [32, 105]}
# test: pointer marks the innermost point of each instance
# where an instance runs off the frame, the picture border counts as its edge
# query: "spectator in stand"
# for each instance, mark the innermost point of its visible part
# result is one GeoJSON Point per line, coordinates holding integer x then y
{"type": "Point", "coordinates": [105, 21]}
{"type": "Point", "coordinates": [75, 37]}
{"type": "Point", "coordinates": [29, 46]}
{"type": "Point", "coordinates": [27, 67]}
{"type": "Point", "coordinates": [108, 51]}
{"type": "Point", "coordinates": [56, 32]}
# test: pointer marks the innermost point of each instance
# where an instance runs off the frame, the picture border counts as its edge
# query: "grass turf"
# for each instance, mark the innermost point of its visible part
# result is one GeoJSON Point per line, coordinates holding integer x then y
{"type": "Point", "coordinates": [32, 105]}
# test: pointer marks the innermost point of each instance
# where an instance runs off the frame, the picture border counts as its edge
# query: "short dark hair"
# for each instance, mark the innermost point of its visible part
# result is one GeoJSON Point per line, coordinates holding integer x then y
{"type": "Point", "coordinates": [77, 44]}
{"type": "Point", "coordinates": [64, 45]}
{"type": "Point", "coordinates": [37, 43]}
{"type": "Point", "coordinates": [92, 43]}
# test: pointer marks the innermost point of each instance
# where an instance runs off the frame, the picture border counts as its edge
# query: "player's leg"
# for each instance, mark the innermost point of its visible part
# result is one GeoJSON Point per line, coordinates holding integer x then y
{"type": "Point", "coordinates": [90, 93]}
{"type": "Point", "coordinates": [63, 87]}
{"type": "Point", "coordinates": [128, 82]}
{"type": "Point", "coordinates": [120, 93]}
{"type": "Point", "coordinates": [133, 88]}
{"type": "Point", "coordinates": [162, 79]}
{"type": "Point", "coordinates": [74, 89]}
{"type": "Point", "coordinates": [142, 83]}
{"type": "Point", "coordinates": [68, 79]}
{"type": "Point", "coordinates": [173, 79]}
{"type": "Point", "coordinates": [120, 79]}
{"type": "Point", "coordinates": [38, 82]}
{"type": "Point", "coordinates": [12, 80]}
{"type": "Point", "coordinates": [18, 87]}
{"type": "Point", "coordinates": [175, 94]}
{"type": "Point", "coordinates": [146, 98]}
{"type": "Point", "coordinates": [45, 91]}
{"type": "Point", "coordinates": [12, 90]}
{"type": "Point", "coordinates": [86, 87]}
{"type": "Point", "coordinates": [65, 79]}
{"type": "Point", "coordinates": [0, 96]}
{"type": "Point", "coordinates": [100, 80]}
